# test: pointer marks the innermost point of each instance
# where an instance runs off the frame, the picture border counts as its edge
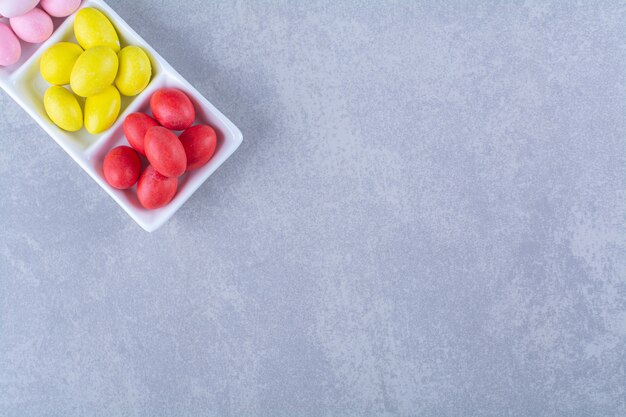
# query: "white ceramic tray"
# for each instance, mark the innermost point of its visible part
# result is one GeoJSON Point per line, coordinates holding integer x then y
{"type": "Point", "coordinates": [24, 84]}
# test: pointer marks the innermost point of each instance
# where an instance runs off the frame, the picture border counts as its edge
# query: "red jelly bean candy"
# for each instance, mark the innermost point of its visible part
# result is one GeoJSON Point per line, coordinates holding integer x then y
{"type": "Point", "coordinates": [172, 108]}
{"type": "Point", "coordinates": [165, 152]}
{"type": "Point", "coordinates": [199, 143]}
{"type": "Point", "coordinates": [121, 167]}
{"type": "Point", "coordinates": [154, 190]}
{"type": "Point", "coordinates": [135, 127]}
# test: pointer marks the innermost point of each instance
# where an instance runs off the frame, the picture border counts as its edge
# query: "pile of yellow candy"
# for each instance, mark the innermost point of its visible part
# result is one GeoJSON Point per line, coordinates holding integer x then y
{"type": "Point", "coordinates": [96, 70]}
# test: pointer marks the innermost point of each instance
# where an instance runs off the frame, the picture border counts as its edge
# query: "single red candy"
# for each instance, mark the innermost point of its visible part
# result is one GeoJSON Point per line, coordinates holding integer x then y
{"type": "Point", "coordinates": [199, 143]}
{"type": "Point", "coordinates": [154, 190]}
{"type": "Point", "coordinates": [135, 127]}
{"type": "Point", "coordinates": [121, 167]}
{"type": "Point", "coordinates": [165, 152]}
{"type": "Point", "coordinates": [172, 108]}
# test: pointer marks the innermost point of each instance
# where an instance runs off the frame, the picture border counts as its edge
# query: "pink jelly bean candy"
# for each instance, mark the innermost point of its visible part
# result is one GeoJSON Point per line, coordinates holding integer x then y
{"type": "Point", "coordinates": [60, 8]}
{"type": "Point", "coordinates": [12, 8]}
{"type": "Point", "coordinates": [10, 48]}
{"type": "Point", "coordinates": [33, 27]}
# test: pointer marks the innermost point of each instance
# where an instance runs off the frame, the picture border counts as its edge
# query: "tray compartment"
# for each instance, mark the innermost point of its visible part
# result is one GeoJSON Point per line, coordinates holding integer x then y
{"type": "Point", "coordinates": [228, 139]}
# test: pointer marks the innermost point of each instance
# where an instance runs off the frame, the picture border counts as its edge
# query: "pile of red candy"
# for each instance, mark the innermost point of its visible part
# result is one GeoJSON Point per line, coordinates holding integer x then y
{"type": "Point", "coordinates": [169, 156]}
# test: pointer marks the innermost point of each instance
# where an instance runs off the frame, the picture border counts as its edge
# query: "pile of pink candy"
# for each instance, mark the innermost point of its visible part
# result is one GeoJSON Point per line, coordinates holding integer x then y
{"type": "Point", "coordinates": [29, 23]}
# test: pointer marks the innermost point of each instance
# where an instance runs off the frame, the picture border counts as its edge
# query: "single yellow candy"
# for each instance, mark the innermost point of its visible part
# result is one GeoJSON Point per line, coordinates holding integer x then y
{"type": "Point", "coordinates": [57, 62]}
{"type": "Point", "coordinates": [94, 71]}
{"type": "Point", "coordinates": [63, 108]}
{"type": "Point", "coordinates": [134, 72]}
{"type": "Point", "coordinates": [101, 110]}
{"type": "Point", "coordinates": [92, 28]}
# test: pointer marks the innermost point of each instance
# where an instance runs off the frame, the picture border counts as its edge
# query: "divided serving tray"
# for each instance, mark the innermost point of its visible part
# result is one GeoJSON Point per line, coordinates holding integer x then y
{"type": "Point", "coordinates": [23, 82]}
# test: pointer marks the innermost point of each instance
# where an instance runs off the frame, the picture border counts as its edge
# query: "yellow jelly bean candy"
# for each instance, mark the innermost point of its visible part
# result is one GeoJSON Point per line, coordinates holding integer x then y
{"type": "Point", "coordinates": [134, 72]}
{"type": "Point", "coordinates": [63, 108]}
{"type": "Point", "coordinates": [102, 110]}
{"type": "Point", "coordinates": [57, 62]}
{"type": "Point", "coordinates": [92, 28]}
{"type": "Point", "coordinates": [94, 71]}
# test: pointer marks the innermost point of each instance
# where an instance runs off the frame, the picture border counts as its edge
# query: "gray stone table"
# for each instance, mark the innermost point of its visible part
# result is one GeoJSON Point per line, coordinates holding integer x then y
{"type": "Point", "coordinates": [426, 218]}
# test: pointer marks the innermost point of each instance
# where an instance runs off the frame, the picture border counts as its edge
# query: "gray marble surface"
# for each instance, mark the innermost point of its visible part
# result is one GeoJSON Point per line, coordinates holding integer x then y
{"type": "Point", "coordinates": [426, 218]}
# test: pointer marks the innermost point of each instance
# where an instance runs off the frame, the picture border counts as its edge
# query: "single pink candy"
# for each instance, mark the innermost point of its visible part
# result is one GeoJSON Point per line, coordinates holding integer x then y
{"type": "Point", "coordinates": [60, 8]}
{"type": "Point", "coordinates": [12, 8]}
{"type": "Point", "coordinates": [33, 27]}
{"type": "Point", "coordinates": [10, 48]}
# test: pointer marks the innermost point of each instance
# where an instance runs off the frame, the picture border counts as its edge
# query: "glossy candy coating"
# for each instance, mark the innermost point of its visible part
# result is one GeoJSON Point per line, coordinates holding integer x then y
{"type": "Point", "coordinates": [32, 27]}
{"type": "Point", "coordinates": [199, 143]}
{"type": "Point", "coordinates": [135, 127]}
{"type": "Point", "coordinates": [92, 28]}
{"type": "Point", "coordinates": [135, 71]}
{"type": "Point", "coordinates": [154, 190]}
{"type": "Point", "coordinates": [60, 8]}
{"type": "Point", "coordinates": [122, 167]}
{"type": "Point", "coordinates": [95, 70]}
{"type": "Point", "coordinates": [63, 108]}
{"type": "Point", "coordinates": [58, 61]}
{"type": "Point", "coordinates": [102, 109]}
{"type": "Point", "coordinates": [10, 47]}
{"type": "Point", "coordinates": [172, 108]}
{"type": "Point", "coordinates": [165, 152]}
{"type": "Point", "coordinates": [12, 8]}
